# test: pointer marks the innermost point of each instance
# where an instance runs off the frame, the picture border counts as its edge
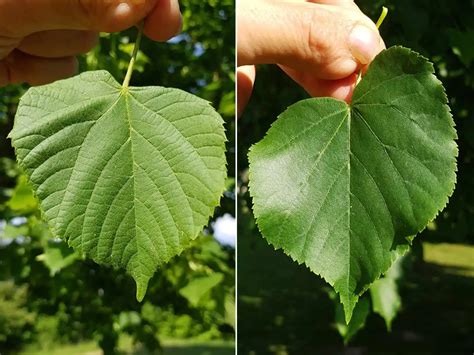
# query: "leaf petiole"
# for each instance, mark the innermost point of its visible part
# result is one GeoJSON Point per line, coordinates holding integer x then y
{"type": "Point", "coordinates": [378, 24]}
{"type": "Point", "coordinates": [128, 76]}
{"type": "Point", "coordinates": [382, 17]}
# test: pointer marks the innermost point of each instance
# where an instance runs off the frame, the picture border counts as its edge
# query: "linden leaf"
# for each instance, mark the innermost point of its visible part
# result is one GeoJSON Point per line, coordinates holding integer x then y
{"type": "Point", "coordinates": [343, 188]}
{"type": "Point", "coordinates": [357, 323]}
{"type": "Point", "coordinates": [127, 176]}
{"type": "Point", "coordinates": [386, 299]}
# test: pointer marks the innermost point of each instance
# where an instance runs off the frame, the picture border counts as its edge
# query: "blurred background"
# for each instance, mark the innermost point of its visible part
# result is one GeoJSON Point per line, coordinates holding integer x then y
{"type": "Point", "coordinates": [429, 303]}
{"type": "Point", "coordinates": [52, 301]}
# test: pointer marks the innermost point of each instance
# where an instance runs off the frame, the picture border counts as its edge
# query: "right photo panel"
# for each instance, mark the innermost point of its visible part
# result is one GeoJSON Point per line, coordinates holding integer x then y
{"type": "Point", "coordinates": [355, 197]}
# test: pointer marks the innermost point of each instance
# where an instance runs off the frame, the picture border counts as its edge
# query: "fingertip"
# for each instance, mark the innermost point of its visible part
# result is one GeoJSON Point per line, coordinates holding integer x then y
{"type": "Point", "coordinates": [381, 47]}
{"type": "Point", "coordinates": [343, 93]}
{"type": "Point", "coordinates": [88, 41]}
{"type": "Point", "coordinates": [364, 43]}
{"type": "Point", "coordinates": [342, 89]}
{"type": "Point", "coordinates": [74, 65]}
{"type": "Point", "coordinates": [164, 21]}
{"type": "Point", "coordinates": [124, 14]}
{"type": "Point", "coordinates": [245, 82]}
{"type": "Point", "coordinates": [59, 43]}
{"type": "Point", "coordinates": [5, 74]}
{"type": "Point", "coordinates": [122, 10]}
{"type": "Point", "coordinates": [47, 70]}
{"type": "Point", "coordinates": [19, 67]}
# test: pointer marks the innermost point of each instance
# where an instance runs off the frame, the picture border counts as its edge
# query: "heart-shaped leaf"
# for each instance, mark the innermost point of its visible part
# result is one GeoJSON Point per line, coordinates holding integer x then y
{"type": "Point", "coordinates": [342, 188]}
{"type": "Point", "coordinates": [128, 176]}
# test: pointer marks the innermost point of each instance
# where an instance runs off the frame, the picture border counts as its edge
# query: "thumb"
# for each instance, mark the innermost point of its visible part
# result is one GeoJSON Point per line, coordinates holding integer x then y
{"type": "Point", "coordinates": [364, 43]}
{"type": "Point", "coordinates": [20, 18]}
{"type": "Point", "coordinates": [327, 41]}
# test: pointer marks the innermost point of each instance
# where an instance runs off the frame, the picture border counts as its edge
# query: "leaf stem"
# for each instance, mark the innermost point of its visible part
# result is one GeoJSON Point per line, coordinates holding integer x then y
{"type": "Point", "coordinates": [378, 24]}
{"type": "Point", "coordinates": [382, 17]}
{"type": "Point", "coordinates": [128, 76]}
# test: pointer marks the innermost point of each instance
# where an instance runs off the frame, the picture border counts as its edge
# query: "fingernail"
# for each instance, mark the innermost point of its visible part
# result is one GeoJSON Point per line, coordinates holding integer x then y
{"type": "Point", "coordinates": [363, 43]}
{"type": "Point", "coordinates": [123, 9]}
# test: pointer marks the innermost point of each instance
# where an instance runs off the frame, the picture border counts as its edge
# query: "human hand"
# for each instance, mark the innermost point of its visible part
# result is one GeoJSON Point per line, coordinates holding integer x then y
{"type": "Point", "coordinates": [39, 39]}
{"type": "Point", "coordinates": [321, 44]}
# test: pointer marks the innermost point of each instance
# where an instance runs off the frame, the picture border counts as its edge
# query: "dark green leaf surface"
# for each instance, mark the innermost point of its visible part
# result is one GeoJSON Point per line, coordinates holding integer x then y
{"type": "Point", "coordinates": [342, 188]}
{"type": "Point", "coordinates": [128, 176]}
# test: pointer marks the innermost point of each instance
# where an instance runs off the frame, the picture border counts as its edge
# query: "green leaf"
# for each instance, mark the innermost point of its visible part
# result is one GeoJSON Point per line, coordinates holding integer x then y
{"type": "Point", "coordinates": [461, 43]}
{"type": "Point", "coordinates": [343, 188]}
{"type": "Point", "coordinates": [127, 176]}
{"type": "Point", "coordinates": [357, 322]}
{"type": "Point", "coordinates": [57, 256]}
{"type": "Point", "coordinates": [386, 300]}
{"type": "Point", "coordinates": [229, 306]}
{"type": "Point", "coordinates": [199, 287]}
{"type": "Point", "coordinates": [12, 231]}
{"type": "Point", "coordinates": [22, 200]}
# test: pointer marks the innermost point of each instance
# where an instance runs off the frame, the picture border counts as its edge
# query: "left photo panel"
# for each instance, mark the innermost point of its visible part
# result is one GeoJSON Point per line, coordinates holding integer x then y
{"type": "Point", "coordinates": [117, 177]}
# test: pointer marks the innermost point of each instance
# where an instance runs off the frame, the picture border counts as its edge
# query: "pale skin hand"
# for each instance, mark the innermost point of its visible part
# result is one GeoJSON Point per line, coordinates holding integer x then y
{"type": "Point", "coordinates": [39, 39]}
{"type": "Point", "coordinates": [321, 44]}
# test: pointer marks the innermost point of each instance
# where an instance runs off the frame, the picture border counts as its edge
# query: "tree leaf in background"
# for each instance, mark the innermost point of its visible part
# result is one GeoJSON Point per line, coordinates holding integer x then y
{"type": "Point", "coordinates": [127, 176]}
{"type": "Point", "coordinates": [230, 310]}
{"type": "Point", "coordinates": [14, 315]}
{"type": "Point", "coordinates": [57, 256]}
{"type": "Point", "coordinates": [199, 287]}
{"type": "Point", "coordinates": [23, 199]}
{"type": "Point", "coordinates": [13, 231]}
{"type": "Point", "coordinates": [461, 42]}
{"type": "Point", "coordinates": [386, 300]}
{"type": "Point", "coordinates": [342, 188]}
{"type": "Point", "coordinates": [357, 322]}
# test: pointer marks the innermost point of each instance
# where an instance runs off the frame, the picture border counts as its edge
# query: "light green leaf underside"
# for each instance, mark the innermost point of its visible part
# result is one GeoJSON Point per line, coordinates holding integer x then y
{"type": "Point", "coordinates": [342, 188]}
{"type": "Point", "coordinates": [126, 176]}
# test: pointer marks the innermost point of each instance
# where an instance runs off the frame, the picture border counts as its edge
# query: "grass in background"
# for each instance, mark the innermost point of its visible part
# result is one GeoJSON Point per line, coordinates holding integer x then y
{"type": "Point", "coordinates": [126, 347]}
{"type": "Point", "coordinates": [283, 308]}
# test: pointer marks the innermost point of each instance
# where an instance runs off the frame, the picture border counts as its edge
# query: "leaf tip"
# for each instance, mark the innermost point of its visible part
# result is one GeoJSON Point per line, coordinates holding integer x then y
{"type": "Point", "coordinates": [348, 302]}
{"type": "Point", "coordinates": [142, 286]}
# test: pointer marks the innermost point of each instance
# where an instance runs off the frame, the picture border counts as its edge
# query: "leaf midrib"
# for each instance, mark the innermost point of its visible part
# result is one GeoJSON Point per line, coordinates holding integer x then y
{"type": "Point", "coordinates": [125, 94]}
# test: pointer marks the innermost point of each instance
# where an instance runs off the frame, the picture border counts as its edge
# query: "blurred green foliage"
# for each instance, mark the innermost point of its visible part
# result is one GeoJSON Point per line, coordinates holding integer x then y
{"type": "Point", "coordinates": [48, 293]}
{"type": "Point", "coordinates": [283, 308]}
{"type": "Point", "coordinates": [16, 321]}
